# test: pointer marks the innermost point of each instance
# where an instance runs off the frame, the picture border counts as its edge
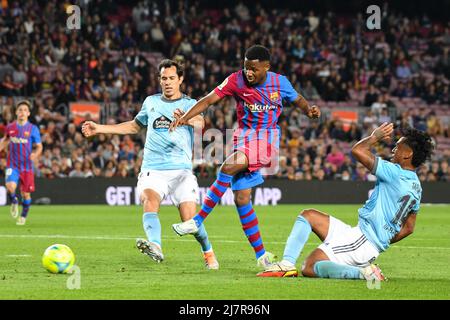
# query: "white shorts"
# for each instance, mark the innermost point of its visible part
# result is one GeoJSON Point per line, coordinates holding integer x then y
{"type": "Point", "coordinates": [348, 245]}
{"type": "Point", "coordinates": [180, 185]}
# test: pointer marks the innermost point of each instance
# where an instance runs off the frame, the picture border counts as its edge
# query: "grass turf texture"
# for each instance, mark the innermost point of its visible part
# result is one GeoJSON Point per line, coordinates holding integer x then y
{"type": "Point", "coordinates": [103, 238]}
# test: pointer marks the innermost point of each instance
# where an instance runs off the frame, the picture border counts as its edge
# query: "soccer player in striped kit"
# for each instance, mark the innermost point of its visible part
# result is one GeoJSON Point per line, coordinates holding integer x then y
{"type": "Point", "coordinates": [24, 147]}
{"type": "Point", "coordinates": [259, 95]}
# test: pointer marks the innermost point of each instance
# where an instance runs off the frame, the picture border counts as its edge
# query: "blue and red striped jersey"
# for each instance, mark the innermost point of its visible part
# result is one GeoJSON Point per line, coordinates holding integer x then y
{"type": "Point", "coordinates": [21, 140]}
{"type": "Point", "coordinates": [258, 107]}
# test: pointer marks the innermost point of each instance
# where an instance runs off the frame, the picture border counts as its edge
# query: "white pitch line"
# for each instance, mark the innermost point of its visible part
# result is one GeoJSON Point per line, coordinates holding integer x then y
{"type": "Point", "coordinates": [62, 236]}
{"type": "Point", "coordinates": [18, 255]}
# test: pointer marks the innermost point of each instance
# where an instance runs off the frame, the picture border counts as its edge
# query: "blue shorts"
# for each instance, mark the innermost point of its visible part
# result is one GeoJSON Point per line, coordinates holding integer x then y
{"type": "Point", "coordinates": [12, 175]}
{"type": "Point", "coordinates": [246, 180]}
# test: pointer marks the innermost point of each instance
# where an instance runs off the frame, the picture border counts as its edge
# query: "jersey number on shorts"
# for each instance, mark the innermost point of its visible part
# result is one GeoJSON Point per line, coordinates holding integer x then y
{"type": "Point", "coordinates": [405, 208]}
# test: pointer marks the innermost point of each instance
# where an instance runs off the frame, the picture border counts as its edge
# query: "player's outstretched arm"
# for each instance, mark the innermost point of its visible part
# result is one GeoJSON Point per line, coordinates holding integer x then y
{"type": "Point", "coordinates": [90, 128]}
{"type": "Point", "coordinates": [311, 112]}
{"type": "Point", "coordinates": [407, 228]}
{"type": "Point", "coordinates": [196, 122]}
{"type": "Point", "coordinates": [362, 151]}
{"type": "Point", "coordinates": [196, 109]}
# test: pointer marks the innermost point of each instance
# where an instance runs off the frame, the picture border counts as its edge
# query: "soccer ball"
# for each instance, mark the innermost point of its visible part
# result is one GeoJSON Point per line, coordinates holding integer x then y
{"type": "Point", "coordinates": [58, 258]}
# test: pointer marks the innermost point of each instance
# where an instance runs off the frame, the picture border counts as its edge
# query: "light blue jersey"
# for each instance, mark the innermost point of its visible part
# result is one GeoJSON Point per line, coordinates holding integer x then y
{"type": "Point", "coordinates": [165, 150]}
{"type": "Point", "coordinates": [397, 193]}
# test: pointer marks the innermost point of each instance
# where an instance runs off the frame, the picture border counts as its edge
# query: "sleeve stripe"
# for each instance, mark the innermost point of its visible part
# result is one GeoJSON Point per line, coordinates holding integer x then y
{"type": "Point", "coordinates": [375, 165]}
{"type": "Point", "coordinates": [140, 124]}
{"type": "Point", "coordinates": [219, 92]}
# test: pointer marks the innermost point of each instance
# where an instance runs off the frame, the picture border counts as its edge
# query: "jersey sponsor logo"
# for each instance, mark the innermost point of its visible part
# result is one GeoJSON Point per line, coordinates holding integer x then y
{"type": "Point", "coordinates": [223, 84]}
{"type": "Point", "coordinates": [259, 107]}
{"type": "Point", "coordinates": [18, 140]}
{"type": "Point", "coordinates": [161, 124]}
{"type": "Point", "coordinates": [274, 96]}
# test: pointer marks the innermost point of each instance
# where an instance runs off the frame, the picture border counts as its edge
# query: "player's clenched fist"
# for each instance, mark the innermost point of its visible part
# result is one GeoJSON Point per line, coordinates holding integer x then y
{"type": "Point", "coordinates": [89, 129]}
{"type": "Point", "coordinates": [314, 112]}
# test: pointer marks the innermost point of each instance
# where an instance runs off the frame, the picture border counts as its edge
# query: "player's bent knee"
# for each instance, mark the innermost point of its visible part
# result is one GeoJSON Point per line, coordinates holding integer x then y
{"type": "Point", "coordinates": [241, 199]}
{"type": "Point", "coordinates": [26, 195]}
{"type": "Point", "coordinates": [308, 214]}
{"type": "Point", "coordinates": [149, 204]}
{"type": "Point", "coordinates": [11, 188]}
{"type": "Point", "coordinates": [232, 169]}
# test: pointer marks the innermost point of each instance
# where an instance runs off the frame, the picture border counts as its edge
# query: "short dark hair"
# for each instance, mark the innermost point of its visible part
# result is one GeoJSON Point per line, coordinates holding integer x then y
{"type": "Point", "coordinates": [257, 52]}
{"type": "Point", "coordinates": [25, 102]}
{"type": "Point", "coordinates": [167, 63]}
{"type": "Point", "coordinates": [420, 143]}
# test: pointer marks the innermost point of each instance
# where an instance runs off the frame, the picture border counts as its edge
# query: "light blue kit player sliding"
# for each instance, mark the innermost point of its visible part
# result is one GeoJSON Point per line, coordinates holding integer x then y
{"type": "Point", "coordinates": [387, 217]}
{"type": "Point", "coordinates": [167, 164]}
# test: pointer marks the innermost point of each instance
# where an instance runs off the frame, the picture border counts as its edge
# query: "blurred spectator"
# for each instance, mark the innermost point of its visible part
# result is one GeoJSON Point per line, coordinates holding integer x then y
{"type": "Point", "coordinates": [371, 96]}
{"type": "Point", "coordinates": [335, 157]}
{"type": "Point", "coordinates": [401, 73]}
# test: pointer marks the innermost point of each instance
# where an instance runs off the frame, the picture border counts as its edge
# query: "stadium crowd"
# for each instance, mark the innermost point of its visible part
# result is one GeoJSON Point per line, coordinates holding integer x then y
{"type": "Point", "coordinates": [400, 73]}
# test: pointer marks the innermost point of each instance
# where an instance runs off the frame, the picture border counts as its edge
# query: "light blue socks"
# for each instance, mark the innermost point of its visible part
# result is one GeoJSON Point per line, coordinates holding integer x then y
{"type": "Point", "coordinates": [202, 238]}
{"type": "Point", "coordinates": [297, 239]}
{"type": "Point", "coordinates": [152, 227]}
{"type": "Point", "coordinates": [329, 269]}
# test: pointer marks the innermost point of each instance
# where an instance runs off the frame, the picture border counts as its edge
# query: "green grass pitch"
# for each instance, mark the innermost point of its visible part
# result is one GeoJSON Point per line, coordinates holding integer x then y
{"type": "Point", "coordinates": [103, 237]}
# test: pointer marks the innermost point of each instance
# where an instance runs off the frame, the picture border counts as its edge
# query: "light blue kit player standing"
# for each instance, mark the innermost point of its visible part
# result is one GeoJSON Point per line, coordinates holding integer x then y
{"type": "Point", "coordinates": [167, 164]}
{"type": "Point", "coordinates": [388, 216]}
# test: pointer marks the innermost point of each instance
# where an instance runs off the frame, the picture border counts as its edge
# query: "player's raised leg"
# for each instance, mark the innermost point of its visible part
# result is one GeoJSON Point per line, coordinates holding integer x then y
{"type": "Point", "coordinates": [152, 226]}
{"type": "Point", "coordinates": [235, 163]}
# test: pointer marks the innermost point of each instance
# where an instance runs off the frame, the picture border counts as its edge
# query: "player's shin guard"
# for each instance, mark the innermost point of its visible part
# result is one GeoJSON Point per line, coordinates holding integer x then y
{"type": "Point", "coordinates": [297, 239]}
{"type": "Point", "coordinates": [202, 238]}
{"type": "Point", "coordinates": [26, 204]}
{"type": "Point", "coordinates": [152, 227]}
{"type": "Point", "coordinates": [250, 226]}
{"type": "Point", "coordinates": [333, 270]}
{"type": "Point", "coordinates": [213, 196]}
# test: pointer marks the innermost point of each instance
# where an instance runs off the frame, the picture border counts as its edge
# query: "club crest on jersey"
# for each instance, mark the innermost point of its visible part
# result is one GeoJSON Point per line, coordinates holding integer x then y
{"type": "Point", "coordinates": [274, 96]}
{"type": "Point", "coordinates": [26, 134]}
{"type": "Point", "coordinates": [161, 124]}
{"type": "Point", "coordinates": [259, 107]}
